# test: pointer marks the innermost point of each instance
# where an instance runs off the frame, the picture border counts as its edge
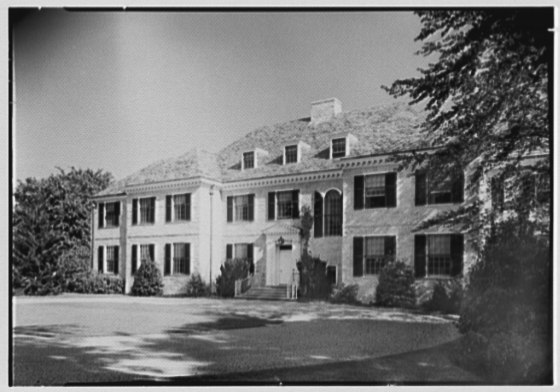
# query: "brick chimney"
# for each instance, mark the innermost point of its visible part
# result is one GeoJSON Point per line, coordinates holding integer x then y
{"type": "Point", "coordinates": [324, 110]}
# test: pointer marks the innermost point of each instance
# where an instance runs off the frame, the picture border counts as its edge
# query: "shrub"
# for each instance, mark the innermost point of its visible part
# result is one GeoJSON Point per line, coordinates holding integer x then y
{"type": "Point", "coordinates": [396, 285]}
{"type": "Point", "coordinates": [446, 297]}
{"type": "Point", "coordinates": [196, 287]}
{"type": "Point", "coordinates": [94, 283]}
{"type": "Point", "coordinates": [345, 294]}
{"type": "Point", "coordinates": [508, 302]}
{"type": "Point", "coordinates": [231, 271]}
{"type": "Point", "coordinates": [147, 280]}
{"type": "Point", "coordinates": [314, 283]}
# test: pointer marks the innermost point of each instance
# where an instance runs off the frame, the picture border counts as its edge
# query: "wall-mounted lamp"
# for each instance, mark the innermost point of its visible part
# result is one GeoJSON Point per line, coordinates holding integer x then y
{"type": "Point", "coordinates": [280, 241]}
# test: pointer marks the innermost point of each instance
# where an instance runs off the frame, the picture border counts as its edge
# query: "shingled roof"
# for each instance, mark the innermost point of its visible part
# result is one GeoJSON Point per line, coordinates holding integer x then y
{"type": "Point", "coordinates": [194, 163]}
{"type": "Point", "coordinates": [378, 130]}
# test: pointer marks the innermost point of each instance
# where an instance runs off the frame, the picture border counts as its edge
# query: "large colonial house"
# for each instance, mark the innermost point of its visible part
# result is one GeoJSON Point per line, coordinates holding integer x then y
{"type": "Point", "coordinates": [189, 214]}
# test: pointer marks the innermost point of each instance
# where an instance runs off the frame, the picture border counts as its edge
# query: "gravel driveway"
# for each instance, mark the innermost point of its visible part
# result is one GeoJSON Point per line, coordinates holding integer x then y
{"type": "Point", "coordinates": [104, 339]}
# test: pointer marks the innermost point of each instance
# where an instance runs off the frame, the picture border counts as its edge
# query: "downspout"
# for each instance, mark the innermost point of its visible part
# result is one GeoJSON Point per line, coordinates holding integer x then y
{"type": "Point", "coordinates": [211, 192]}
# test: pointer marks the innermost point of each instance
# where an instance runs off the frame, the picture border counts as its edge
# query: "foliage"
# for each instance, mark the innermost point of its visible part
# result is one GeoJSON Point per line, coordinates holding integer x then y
{"type": "Point", "coordinates": [196, 287]}
{"type": "Point", "coordinates": [344, 294]}
{"type": "Point", "coordinates": [446, 296]}
{"type": "Point", "coordinates": [94, 283]}
{"type": "Point", "coordinates": [314, 282]}
{"type": "Point", "coordinates": [231, 271]}
{"type": "Point", "coordinates": [51, 225]}
{"type": "Point", "coordinates": [147, 280]}
{"type": "Point", "coordinates": [396, 285]}
{"type": "Point", "coordinates": [507, 304]}
{"type": "Point", "coordinates": [487, 95]}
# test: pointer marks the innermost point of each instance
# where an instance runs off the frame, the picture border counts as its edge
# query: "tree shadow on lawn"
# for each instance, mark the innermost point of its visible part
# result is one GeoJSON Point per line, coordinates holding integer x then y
{"type": "Point", "coordinates": [60, 354]}
{"type": "Point", "coordinates": [222, 352]}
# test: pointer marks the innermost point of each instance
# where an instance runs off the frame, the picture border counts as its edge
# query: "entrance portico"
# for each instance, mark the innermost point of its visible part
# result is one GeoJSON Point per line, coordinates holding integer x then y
{"type": "Point", "coordinates": [283, 250]}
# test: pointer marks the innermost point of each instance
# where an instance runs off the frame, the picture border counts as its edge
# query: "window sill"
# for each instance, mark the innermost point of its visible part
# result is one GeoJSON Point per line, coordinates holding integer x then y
{"type": "Point", "coordinates": [108, 227]}
{"type": "Point", "coordinates": [178, 222]}
{"type": "Point", "coordinates": [143, 224]}
{"type": "Point", "coordinates": [240, 222]}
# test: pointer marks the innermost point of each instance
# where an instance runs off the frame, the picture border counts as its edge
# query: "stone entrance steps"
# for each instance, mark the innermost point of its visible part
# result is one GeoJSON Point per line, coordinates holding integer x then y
{"type": "Point", "coordinates": [268, 293]}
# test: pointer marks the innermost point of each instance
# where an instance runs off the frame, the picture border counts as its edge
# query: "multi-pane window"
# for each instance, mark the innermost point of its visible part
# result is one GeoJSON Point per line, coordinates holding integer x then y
{"type": "Point", "coordinates": [333, 213]}
{"type": "Point", "coordinates": [285, 205]}
{"type": "Point", "coordinates": [146, 253]}
{"type": "Point", "coordinates": [372, 253]}
{"type": "Point", "coordinates": [439, 254]}
{"type": "Point", "coordinates": [112, 254]}
{"type": "Point", "coordinates": [374, 188]}
{"type": "Point", "coordinates": [243, 251]}
{"type": "Point", "coordinates": [433, 190]}
{"type": "Point", "coordinates": [375, 191]}
{"type": "Point", "coordinates": [144, 209]}
{"type": "Point", "coordinates": [338, 148]}
{"type": "Point", "coordinates": [178, 207]}
{"type": "Point", "coordinates": [248, 160]}
{"type": "Point", "coordinates": [112, 212]}
{"type": "Point", "coordinates": [240, 208]}
{"type": "Point", "coordinates": [109, 214]}
{"type": "Point", "coordinates": [180, 259]}
{"type": "Point", "coordinates": [291, 154]}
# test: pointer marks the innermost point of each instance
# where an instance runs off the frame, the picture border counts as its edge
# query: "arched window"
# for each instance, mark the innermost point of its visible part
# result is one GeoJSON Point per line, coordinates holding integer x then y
{"type": "Point", "coordinates": [333, 213]}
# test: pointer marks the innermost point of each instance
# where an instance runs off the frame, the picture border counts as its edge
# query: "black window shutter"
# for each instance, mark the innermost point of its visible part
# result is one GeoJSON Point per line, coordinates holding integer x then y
{"type": "Point", "coordinates": [251, 212]}
{"type": "Point", "coordinates": [358, 256]}
{"type": "Point", "coordinates": [229, 208]}
{"type": "Point", "coordinates": [318, 215]}
{"type": "Point", "coordinates": [134, 261]}
{"type": "Point", "coordinates": [188, 258]}
{"type": "Point", "coordinates": [229, 251]}
{"type": "Point", "coordinates": [116, 260]}
{"type": "Point", "coordinates": [271, 204]}
{"type": "Point", "coordinates": [497, 194]}
{"type": "Point", "coordinates": [457, 254]}
{"type": "Point", "coordinates": [168, 212]}
{"type": "Point", "coordinates": [390, 246]}
{"type": "Point", "coordinates": [457, 189]}
{"type": "Point", "coordinates": [295, 204]}
{"type": "Point", "coordinates": [101, 214]}
{"type": "Point", "coordinates": [117, 212]}
{"type": "Point", "coordinates": [167, 263]}
{"type": "Point", "coordinates": [188, 201]}
{"type": "Point", "coordinates": [391, 189]}
{"type": "Point", "coordinates": [250, 258]}
{"type": "Point", "coordinates": [152, 210]}
{"type": "Point", "coordinates": [420, 191]}
{"type": "Point", "coordinates": [134, 211]}
{"type": "Point", "coordinates": [358, 192]}
{"type": "Point", "coordinates": [420, 255]}
{"type": "Point", "coordinates": [100, 259]}
{"type": "Point", "coordinates": [152, 251]}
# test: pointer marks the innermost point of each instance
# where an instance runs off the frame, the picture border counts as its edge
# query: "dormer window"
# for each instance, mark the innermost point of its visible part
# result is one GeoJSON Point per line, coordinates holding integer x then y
{"type": "Point", "coordinates": [248, 160]}
{"type": "Point", "coordinates": [291, 154]}
{"type": "Point", "coordinates": [338, 148]}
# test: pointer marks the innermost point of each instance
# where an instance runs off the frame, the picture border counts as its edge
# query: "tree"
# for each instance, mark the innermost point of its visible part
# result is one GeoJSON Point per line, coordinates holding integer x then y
{"type": "Point", "coordinates": [52, 228]}
{"type": "Point", "coordinates": [487, 96]}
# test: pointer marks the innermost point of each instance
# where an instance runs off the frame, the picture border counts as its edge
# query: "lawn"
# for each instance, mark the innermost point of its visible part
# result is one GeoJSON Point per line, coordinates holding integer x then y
{"type": "Point", "coordinates": [74, 339]}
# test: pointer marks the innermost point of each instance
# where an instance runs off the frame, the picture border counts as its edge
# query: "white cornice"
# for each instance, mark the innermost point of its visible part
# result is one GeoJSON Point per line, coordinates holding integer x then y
{"type": "Point", "coordinates": [288, 179]}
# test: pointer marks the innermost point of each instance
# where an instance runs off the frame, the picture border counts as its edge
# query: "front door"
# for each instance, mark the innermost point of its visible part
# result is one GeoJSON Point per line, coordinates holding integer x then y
{"type": "Point", "coordinates": [286, 264]}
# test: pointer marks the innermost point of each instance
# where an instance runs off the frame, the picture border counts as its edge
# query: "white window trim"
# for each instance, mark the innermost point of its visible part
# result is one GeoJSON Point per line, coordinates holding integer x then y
{"type": "Point", "coordinates": [378, 236]}
{"type": "Point", "coordinates": [298, 152]}
{"type": "Point", "coordinates": [233, 220]}
{"type": "Point", "coordinates": [346, 147]}
{"type": "Point", "coordinates": [138, 210]}
{"type": "Point", "coordinates": [173, 220]}
{"type": "Point", "coordinates": [254, 159]}
{"type": "Point", "coordinates": [276, 201]}
{"type": "Point", "coordinates": [172, 261]}
{"type": "Point", "coordinates": [105, 214]}
{"type": "Point", "coordinates": [450, 233]}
